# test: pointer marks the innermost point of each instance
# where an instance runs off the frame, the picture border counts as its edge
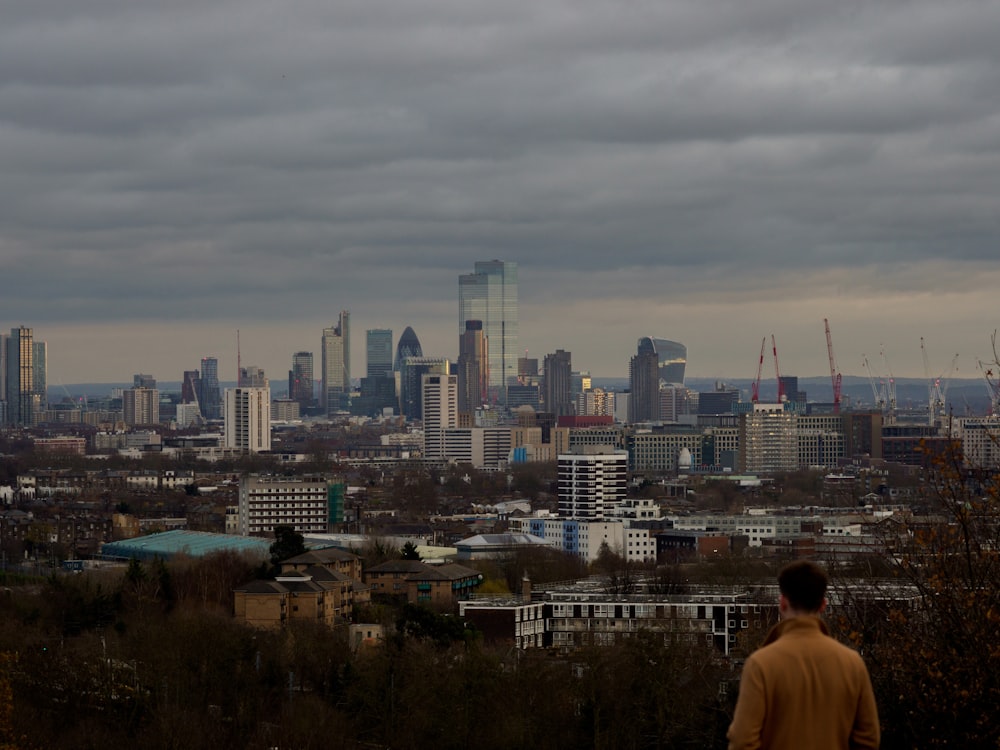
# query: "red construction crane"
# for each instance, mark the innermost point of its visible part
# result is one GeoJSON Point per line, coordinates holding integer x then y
{"type": "Point", "coordinates": [777, 374]}
{"type": "Point", "coordinates": [834, 375]}
{"type": "Point", "coordinates": [755, 385]}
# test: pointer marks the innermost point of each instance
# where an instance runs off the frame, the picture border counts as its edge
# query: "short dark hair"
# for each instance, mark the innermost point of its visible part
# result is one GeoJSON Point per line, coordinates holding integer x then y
{"type": "Point", "coordinates": [804, 585]}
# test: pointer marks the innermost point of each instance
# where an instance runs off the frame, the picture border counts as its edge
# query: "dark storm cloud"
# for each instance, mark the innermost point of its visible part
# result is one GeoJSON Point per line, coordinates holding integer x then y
{"type": "Point", "coordinates": [194, 161]}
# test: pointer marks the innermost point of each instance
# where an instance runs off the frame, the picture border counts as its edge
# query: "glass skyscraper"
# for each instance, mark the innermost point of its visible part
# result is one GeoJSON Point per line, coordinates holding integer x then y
{"type": "Point", "coordinates": [336, 364]}
{"type": "Point", "coordinates": [379, 352]}
{"type": "Point", "coordinates": [490, 295]}
{"type": "Point", "coordinates": [23, 402]}
{"type": "Point", "coordinates": [300, 379]}
{"type": "Point", "coordinates": [210, 397]}
{"type": "Point", "coordinates": [671, 355]}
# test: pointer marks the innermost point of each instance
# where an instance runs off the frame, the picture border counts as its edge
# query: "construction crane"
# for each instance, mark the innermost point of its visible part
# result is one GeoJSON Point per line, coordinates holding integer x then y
{"type": "Point", "coordinates": [835, 379]}
{"type": "Point", "coordinates": [890, 392]}
{"type": "Point", "coordinates": [992, 387]}
{"type": "Point", "coordinates": [777, 373]}
{"type": "Point", "coordinates": [755, 385]}
{"type": "Point", "coordinates": [937, 388]}
{"type": "Point", "coordinates": [878, 391]}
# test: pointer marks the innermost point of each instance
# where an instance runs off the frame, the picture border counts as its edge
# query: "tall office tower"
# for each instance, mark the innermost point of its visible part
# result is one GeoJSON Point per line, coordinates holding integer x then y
{"type": "Point", "coordinates": [248, 419]}
{"type": "Point", "coordinates": [141, 405]}
{"type": "Point", "coordinates": [408, 346]}
{"type": "Point", "coordinates": [581, 382]}
{"type": "Point", "coordinates": [22, 401]}
{"type": "Point", "coordinates": [252, 376]}
{"type": "Point", "coordinates": [558, 383]}
{"type": "Point", "coordinates": [720, 401]}
{"type": "Point", "coordinates": [336, 356]}
{"type": "Point", "coordinates": [440, 407]}
{"type": "Point", "coordinates": [490, 295]}
{"type": "Point", "coordinates": [790, 389]}
{"type": "Point", "coordinates": [378, 347]}
{"type": "Point", "coordinates": [671, 356]}
{"type": "Point", "coordinates": [644, 387]}
{"type": "Point", "coordinates": [591, 482]}
{"type": "Point", "coordinates": [210, 397]}
{"type": "Point", "coordinates": [140, 380]}
{"type": "Point", "coordinates": [473, 368]}
{"type": "Point", "coordinates": [411, 373]}
{"type": "Point", "coordinates": [378, 389]}
{"type": "Point", "coordinates": [41, 379]}
{"type": "Point", "coordinates": [527, 370]}
{"type": "Point", "coordinates": [300, 379]}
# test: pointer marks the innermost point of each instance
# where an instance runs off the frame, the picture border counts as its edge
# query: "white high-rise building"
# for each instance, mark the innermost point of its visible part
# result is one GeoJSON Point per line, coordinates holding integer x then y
{"type": "Point", "coordinates": [591, 481]}
{"type": "Point", "coordinates": [439, 394]}
{"type": "Point", "coordinates": [248, 419]}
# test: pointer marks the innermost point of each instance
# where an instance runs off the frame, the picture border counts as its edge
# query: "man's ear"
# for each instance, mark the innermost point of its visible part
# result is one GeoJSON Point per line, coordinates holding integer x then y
{"type": "Point", "coordinates": [782, 604]}
{"type": "Point", "coordinates": [822, 607]}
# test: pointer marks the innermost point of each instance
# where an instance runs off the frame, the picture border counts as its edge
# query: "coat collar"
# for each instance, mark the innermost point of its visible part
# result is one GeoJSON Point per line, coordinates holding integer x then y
{"type": "Point", "coordinates": [802, 624]}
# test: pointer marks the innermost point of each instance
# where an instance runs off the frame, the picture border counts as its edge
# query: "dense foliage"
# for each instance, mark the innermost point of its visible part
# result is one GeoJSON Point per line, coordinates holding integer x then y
{"type": "Point", "coordinates": [152, 658]}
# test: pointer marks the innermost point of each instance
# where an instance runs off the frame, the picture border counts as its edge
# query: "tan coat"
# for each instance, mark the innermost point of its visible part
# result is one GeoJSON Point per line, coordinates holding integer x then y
{"type": "Point", "coordinates": [803, 689]}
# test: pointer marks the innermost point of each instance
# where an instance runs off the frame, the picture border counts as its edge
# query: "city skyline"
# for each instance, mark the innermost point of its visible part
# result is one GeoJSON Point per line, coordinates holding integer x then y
{"type": "Point", "coordinates": [709, 174]}
{"type": "Point", "coordinates": [906, 364]}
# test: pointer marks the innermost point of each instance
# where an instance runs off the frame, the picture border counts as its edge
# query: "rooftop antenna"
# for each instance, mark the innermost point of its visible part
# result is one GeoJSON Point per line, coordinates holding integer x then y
{"type": "Point", "coordinates": [239, 362]}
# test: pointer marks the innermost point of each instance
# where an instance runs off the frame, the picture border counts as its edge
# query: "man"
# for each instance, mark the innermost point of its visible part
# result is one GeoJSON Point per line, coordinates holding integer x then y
{"type": "Point", "coordinates": [803, 689]}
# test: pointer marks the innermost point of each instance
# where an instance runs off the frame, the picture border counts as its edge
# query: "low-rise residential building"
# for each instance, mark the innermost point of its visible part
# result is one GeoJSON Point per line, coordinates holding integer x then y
{"type": "Point", "coordinates": [438, 586]}
{"type": "Point", "coordinates": [578, 617]}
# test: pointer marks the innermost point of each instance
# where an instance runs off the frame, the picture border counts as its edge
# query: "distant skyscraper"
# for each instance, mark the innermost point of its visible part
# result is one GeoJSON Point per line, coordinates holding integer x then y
{"type": "Point", "coordinates": [490, 295]}
{"type": "Point", "coordinates": [558, 383]}
{"type": "Point", "coordinates": [248, 419]}
{"type": "Point", "coordinates": [527, 370]}
{"type": "Point", "coordinates": [253, 377]}
{"type": "Point", "coordinates": [300, 379]}
{"type": "Point", "coordinates": [408, 346]}
{"type": "Point", "coordinates": [139, 380]}
{"type": "Point", "coordinates": [210, 396]}
{"type": "Point", "coordinates": [336, 356]}
{"type": "Point", "coordinates": [440, 407]}
{"type": "Point", "coordinates": [141, 406]}
{"type": "Point", "coordinates": [378, 389]}
{"type": "Point", "coordinates": [644, 386]}
{"type": "Point", "coordinates": [671, 357]}
{"type": "Point", "coordinates": [411, 372]}
{"type": "Point", "coordinates": [378, 347]}
{"type": "Point", "coordinates": [40, 368]}
{"type": "Point", "coordinates": [472, 368]}
{"type": "Point", "coordinates": [22, 401]}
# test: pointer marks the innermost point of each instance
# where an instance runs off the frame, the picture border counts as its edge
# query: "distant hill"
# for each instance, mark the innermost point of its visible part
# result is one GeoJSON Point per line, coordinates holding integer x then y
{"type": "Point", "coordinates": [965, 396]}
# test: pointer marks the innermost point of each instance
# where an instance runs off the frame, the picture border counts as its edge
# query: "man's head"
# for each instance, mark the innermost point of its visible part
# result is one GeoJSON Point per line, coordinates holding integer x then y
{"type": "Point", "coordinates": [803, 588]}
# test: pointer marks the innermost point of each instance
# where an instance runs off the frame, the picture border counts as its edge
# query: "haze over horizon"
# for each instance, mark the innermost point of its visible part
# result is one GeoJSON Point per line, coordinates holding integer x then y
{"type": "Point", "coordinates": [708, 173]}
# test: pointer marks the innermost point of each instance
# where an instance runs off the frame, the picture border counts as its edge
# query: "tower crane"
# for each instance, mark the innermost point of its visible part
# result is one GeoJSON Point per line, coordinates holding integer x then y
{"type": "Point", "coordinates": [878, 391]}
{"type": "Point", "coordinates": [890, 392]}
{"type": "Point", "coordinates": [755, 385]}
{"type": "Point", "coordinates": [835, 379]}
{"type": "Point", "coordinates": [777, 373]}
{"type": "Point", "coordinates": [937, 388]}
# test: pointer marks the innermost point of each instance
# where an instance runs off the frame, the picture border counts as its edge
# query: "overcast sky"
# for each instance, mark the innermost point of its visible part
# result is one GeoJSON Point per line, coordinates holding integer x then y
{"type": "Point", "coordinates": [709, 172]}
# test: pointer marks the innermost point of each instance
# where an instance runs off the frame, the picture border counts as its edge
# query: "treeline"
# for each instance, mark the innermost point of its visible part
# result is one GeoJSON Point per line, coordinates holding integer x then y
{"type": "Point", "coordinates": [155, 660]}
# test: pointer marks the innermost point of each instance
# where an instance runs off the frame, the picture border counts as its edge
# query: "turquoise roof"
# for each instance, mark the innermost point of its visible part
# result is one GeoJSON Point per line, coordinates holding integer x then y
{"type": "Point", "coordinates": [169, 544]}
